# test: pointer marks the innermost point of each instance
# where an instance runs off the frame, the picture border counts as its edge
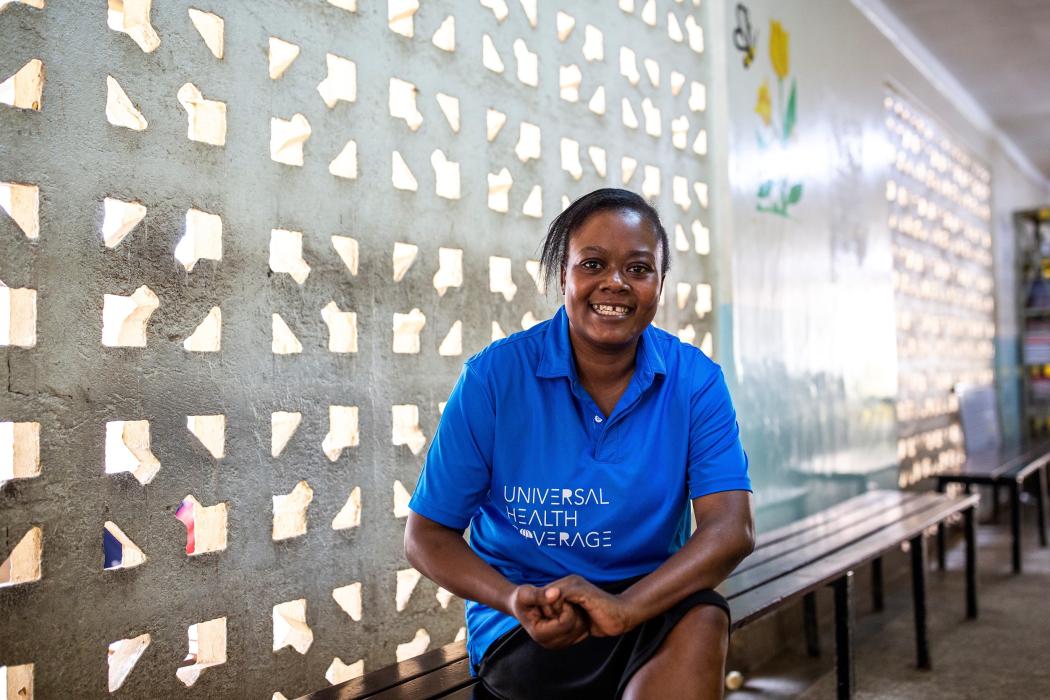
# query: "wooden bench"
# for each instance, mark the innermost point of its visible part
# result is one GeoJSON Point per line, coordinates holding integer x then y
{"type": "Point", "coordinates": [989, 463]}
{"type": "Point", "coordinates": [1010, 468]}
{"type": "Point", "coordinates": [789, 563]}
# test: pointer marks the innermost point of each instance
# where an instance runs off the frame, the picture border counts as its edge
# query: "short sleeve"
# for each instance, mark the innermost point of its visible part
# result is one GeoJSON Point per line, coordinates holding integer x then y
{"type": "Point", "coordinates": [717, 461]}
{"type": "Point", "coordinates": [458, 468]}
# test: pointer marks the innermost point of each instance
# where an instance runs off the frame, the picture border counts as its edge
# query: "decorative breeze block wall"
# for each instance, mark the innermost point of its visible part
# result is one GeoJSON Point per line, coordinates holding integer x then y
{"type": "Point", "coordinates": [939, 198]}
{"type": "Point", "coordinates": [247, 247]}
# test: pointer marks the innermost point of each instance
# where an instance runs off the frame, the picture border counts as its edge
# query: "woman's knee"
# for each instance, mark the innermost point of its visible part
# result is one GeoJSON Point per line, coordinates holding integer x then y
{"type": "Point", "coordinates": [704, 624]}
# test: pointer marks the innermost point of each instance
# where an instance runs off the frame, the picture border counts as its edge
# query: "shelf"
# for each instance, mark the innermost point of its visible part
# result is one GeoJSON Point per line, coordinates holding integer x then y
{"type": "Point", "coordinates": [1031, 236]}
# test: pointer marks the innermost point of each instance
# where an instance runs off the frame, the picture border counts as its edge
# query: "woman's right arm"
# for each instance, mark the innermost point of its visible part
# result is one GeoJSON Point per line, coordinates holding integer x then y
{"type": "Point", "coordinates": [441, 554]}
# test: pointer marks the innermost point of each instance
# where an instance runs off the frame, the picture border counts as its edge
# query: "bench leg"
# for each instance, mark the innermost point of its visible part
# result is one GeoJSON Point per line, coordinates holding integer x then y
{"type": "Point", "coordinates": [1015, 524]}
{"type": "Point", "coordinates": [844, 635]}
{"type": "Point", "coordinates": [940, 531]}
{"type": "Point", "coordinates": [918, 590]}
{"type": "Point", "coordinates": [877, 602]}
{"type": "Point", "coordinates": [970, 525]}
{"type": "Point", "coordinates": [1040, 504]}
{"type": "Point", "coordinates": [941, 546]}
{"type": "Point", "coordinates": [809, 615]}
{"type": "Point", "coordinates": [995, 503]}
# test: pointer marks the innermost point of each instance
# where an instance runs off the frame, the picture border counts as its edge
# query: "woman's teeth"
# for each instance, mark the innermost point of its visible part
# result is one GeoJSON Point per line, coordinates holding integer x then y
{"type": "Point", "coordinates": [610, 310]}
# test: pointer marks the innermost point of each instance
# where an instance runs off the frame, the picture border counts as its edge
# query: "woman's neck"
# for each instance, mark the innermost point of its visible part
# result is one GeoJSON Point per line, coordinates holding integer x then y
{"type": "Point", "coordinates": [600, 367]}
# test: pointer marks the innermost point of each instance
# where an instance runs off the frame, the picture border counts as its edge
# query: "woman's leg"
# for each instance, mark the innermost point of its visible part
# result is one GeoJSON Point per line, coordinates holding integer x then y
{"type": "Point", "coordinates": [690, 663]}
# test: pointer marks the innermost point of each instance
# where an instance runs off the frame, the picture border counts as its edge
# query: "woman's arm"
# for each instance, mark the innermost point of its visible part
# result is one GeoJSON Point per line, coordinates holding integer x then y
{"type": "Point", "coordinates": [442, 555]}
{"type": "Point", "coordinates": [724, 536]}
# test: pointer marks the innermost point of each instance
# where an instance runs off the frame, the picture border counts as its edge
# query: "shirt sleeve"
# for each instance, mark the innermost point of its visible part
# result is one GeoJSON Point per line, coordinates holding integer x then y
{"type": "Point", "coordinates": [457, 471]}
{"type": "Point", "coordinates": [717, 461]}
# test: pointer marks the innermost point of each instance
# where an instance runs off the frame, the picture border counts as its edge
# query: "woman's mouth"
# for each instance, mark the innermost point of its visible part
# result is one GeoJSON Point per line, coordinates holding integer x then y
{"type": "Point", "coordinates": [611, 310]}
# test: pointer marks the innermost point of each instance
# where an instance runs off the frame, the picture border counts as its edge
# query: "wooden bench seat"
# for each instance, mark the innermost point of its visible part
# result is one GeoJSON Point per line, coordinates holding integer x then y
{"type": "Point", "coordinates": [1010, 468]}
{"type": "Point", "coordinates": [788, 563]}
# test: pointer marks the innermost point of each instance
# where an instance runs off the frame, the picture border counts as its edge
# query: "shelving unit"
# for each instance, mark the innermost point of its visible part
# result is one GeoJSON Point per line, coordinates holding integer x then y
{"type": "Point", "coordinates": [1033, 279]}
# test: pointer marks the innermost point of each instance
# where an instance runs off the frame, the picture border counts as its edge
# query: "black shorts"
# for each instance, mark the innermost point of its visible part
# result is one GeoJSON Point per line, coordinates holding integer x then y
{"type": "Point", "coordinates": [517, 668]}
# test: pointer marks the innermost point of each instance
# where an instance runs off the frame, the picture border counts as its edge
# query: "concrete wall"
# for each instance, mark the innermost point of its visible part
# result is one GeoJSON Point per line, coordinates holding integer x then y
{"type": "Point", "coordinates": [70, 385]}
{"type": "Point", "coordinates": [804, 318]}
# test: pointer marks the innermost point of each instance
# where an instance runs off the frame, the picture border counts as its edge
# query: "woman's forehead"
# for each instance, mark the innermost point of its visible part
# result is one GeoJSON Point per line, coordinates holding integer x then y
{"type": "Point", "coordinates": [615, 227]}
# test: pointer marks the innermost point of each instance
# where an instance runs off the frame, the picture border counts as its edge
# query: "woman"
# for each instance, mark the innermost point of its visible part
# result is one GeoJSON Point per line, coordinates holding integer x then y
{"type": "Point", "coordinates": [570, 450]}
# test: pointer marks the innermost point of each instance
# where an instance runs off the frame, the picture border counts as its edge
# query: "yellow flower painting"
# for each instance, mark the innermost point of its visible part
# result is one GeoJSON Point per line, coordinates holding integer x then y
{"type": "Point", "coordinates": [778, 49]}
{"type": "Point", "coordinates": [764, 107]}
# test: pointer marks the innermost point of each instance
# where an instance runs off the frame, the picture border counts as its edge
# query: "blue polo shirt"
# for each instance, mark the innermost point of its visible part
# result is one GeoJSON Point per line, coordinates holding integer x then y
{"type": "Point", "coordinates": [550, 486]}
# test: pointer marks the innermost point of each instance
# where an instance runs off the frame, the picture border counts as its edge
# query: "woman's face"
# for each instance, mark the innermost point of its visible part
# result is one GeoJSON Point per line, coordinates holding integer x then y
{"type": "Point", "coordinates": [612, 278]}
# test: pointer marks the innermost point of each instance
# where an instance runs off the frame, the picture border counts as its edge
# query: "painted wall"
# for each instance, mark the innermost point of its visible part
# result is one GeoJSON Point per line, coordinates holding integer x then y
{"type": "Point", "coordinates": [809, 294]}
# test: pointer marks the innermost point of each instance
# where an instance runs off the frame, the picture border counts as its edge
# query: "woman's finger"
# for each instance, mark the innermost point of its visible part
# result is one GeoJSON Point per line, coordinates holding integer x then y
{"type": "Point", "coordinates": [530, 596]}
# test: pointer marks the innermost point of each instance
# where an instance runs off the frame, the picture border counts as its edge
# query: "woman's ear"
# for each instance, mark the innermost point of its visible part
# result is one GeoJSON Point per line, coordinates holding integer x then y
{"type": "Point", "coordinates": [562, 277]}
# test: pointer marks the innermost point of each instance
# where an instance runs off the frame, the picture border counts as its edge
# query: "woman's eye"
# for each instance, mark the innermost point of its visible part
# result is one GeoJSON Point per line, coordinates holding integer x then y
{"type": "Point", "coordinates": [590, 264]}
{"type": "Point", "coordinates": [638, 269]}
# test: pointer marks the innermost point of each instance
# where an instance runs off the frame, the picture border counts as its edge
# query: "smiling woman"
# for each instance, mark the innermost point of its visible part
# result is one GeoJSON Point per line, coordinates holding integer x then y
{"type": "Point", "coordinates": [570, 595]}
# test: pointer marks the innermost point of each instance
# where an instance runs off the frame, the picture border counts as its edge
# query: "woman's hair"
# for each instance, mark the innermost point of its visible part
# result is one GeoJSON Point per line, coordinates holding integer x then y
{"type": "Point", "coordinates": [556, 244]}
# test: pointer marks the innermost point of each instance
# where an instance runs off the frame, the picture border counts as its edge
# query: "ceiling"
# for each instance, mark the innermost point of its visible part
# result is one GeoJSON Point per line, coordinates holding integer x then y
{"type": "Point", "coordinates": [999, 51]}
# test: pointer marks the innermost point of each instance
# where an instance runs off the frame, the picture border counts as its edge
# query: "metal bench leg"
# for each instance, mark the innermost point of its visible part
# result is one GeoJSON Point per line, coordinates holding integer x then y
{"type": "Point", "coordinates": [844, 635]}
{"type": "Point", "coordinates": [918, 590]}
{"type": "Point", "coordinates": [809, 614]}
{"type": "Point", "coordinates": [941, 546]}
{"type": "Point", "coordinates": [995, 503]}
{"type": "Point", "coordinates": [969, 519]}
{"type": "Point", "coordinates": [1040, 503]}
{"type": "Point", "coordinates": [940, 531]}
{"type": "Point", "coordinates": [1015, 524]}
{"type": "Point", "coordinates": [877, 603]}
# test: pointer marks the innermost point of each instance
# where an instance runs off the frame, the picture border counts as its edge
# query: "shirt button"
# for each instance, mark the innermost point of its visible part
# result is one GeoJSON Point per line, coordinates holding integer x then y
{"type": "Point", "coordinates": [597, 419]}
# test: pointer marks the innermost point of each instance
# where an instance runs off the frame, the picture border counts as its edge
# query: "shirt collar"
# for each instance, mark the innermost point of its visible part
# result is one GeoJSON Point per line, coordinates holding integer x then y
{"type": "Point", "coordinates": [557, 359]}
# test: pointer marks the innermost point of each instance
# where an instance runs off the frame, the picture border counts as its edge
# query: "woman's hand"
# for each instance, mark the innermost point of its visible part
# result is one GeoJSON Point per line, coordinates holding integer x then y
{"type": "Point", "coordinates": [608, 615]}
{"type": "Point", "coordinates": [548, 619]}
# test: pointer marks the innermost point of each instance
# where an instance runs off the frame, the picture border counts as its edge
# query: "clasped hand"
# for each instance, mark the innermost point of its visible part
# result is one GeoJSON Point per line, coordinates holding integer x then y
{"type": "Point", "coordinates": [567, 611]}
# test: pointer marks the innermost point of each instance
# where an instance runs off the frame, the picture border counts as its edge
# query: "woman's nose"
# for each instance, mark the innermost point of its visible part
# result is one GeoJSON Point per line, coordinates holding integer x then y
{"type": "Point", "coordinates": [615, 279]}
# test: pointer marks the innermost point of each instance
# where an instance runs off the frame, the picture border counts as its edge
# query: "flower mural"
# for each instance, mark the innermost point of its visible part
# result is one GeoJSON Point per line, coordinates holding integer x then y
{"type": "Point", "coordinates": [778, 49]}
{"type": "Point", "coordinates": [776, 195]}
{"type": "Point", "coordinates": [764, 108]}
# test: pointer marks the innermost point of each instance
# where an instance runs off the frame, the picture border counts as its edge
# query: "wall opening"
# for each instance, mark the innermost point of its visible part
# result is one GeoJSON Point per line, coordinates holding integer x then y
{"type": "Point", "coordinates": [205, 526]}
{"type": "Point", "coordinates": [121, 658]}
{"type": "Point", "coordinates": [128, 450]}
{"type": "Point", "coordinates": [289, 512]}
{"type": "Point", "coordinates": [206, 648]}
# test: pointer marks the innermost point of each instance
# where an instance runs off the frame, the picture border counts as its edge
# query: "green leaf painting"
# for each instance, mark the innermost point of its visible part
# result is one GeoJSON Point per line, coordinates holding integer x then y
{"type": "Point", "coordinates": [789, 113]}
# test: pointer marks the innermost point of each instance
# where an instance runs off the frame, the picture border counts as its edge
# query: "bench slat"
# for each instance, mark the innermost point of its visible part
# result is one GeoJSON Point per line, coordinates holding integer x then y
{"type": "Point", "coordinates": [465, 693]}
{"type": "Point", "coordinates": [993, 465]}
{"type": "Point", "coordinates": [863, 512]}
{"type": "Point", "coordinates": [832, 540]}
{"type": "Point", "coordinates": [454, 676]}
{"type": "Point", "coordinates": [830, 514]}
{"type": "Point", "coordinates": [382, 679]}
{"type": "Point", "coordinates": [754, 603]}
{"type": "Point", "coordinates": [1026, 469]}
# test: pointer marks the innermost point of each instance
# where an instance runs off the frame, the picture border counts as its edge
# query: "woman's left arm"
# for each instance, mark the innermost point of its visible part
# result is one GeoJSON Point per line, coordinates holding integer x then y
{"type": "Point", "coordinates": [724, 536]}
